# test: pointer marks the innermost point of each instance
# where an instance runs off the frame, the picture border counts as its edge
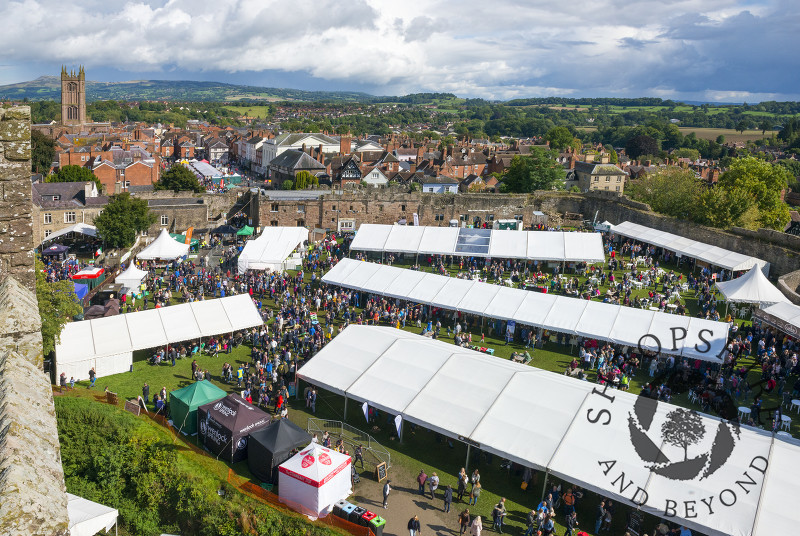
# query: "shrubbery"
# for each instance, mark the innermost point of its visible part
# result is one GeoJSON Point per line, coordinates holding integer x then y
{"type": "Point", "coordinates": [111, 457]}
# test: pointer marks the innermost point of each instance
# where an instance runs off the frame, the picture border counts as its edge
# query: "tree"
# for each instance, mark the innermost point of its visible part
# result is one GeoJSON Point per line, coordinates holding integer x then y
{"type": "Point", "coordinates": [641, 144]}
{"type": "Point", "coordinates": [742, 125]}
{"type": "Point", "coordinates": [123, 217]}
{"type": "Point", "coordinates": [75, 174]}
{"type": "Point", "coordinates": [672, 191]}
{"type": "Point", "coordinates": [179, 178]}
{"type": "Point", "coordinates": [43, 152]}
{"type": "Point", "coordinates": [304, 179]}
{"type": "Point", "coordinates": [765, 125]}
{"type": "Point", "coordinates": [682, 428]}
{"type": "Point", "coordinates": [288, 185]}
{"type": "Point", "coordinates": [685, 152]}
{"type": "Point", "coordinates": [721, 139]}
{"type": "Point", "coordinates": [764, 182]}
{"type": "Point", "coordinates": [725, 208]}
{"type": "Point", "coordinates": [539, 171]}
{"type": "Point", "coordinates": [57, 305]}
{"type": "Point", "coordinates": [559, 137]}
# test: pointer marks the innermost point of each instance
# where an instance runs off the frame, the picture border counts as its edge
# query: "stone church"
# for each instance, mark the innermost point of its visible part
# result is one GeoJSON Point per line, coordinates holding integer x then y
{"type": "Point", "coordinates": [73, 97]}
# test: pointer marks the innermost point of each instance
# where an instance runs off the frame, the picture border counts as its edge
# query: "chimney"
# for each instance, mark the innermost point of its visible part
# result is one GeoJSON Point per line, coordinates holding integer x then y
{"type": "Point", "coordinates": [344, 145]}
{"type": "Point", "coordinates": [304, 148]}
{"type": "Point", "coordinates": [572, 160]}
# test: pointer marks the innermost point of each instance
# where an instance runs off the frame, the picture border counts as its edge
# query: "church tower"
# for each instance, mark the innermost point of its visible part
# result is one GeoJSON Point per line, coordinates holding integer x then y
{"type": "Point", "coordinates": [73, 97]}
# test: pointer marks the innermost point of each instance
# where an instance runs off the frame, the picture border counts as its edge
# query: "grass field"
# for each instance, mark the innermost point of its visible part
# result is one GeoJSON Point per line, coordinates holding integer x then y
{"type": "Point", "coordinates": [420, 448]}
{"type": "Point", "coordinates": [261, 112]}
{"type": "Point", "coordinates": [730, 134]}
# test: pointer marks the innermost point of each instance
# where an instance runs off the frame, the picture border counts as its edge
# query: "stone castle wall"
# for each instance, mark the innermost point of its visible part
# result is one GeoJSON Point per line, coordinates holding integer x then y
{"type": "Point", "coordinates": [33, 498]}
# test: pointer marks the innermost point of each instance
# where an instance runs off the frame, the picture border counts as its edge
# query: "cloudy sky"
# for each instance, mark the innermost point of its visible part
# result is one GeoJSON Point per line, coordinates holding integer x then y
{"type": "Point", "coordinates": [709, 50]}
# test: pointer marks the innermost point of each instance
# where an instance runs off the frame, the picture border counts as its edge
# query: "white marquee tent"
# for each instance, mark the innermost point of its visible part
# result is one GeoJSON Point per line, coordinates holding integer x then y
{"type": "Point", "coordinates": [571, 429]}
{"type": "Point", "coordinates": [271, 249]}
{"type": "Point", "coordinates": [784, 316]}
{"type": "Point", "coordinates": [752, 287]}
{"type": "Point", "coordinates": [465, 242]}
{"type": "Point", "coordinates": [314, 479]}
{"type": "Point", "coordinates": [81, 228]}
{"type": "Point", "coordinates": [712, 255]}
{"type": "Point", "coordinates": [131, 278]}
{"type": "Point", "coordinates": [694, 337]}
{"type": "Point", "coordinates": [87, 518]}
{"type": "Point", "coordinates": [164, 247]}
{"type": "Point", "coordinates": [108, 343]}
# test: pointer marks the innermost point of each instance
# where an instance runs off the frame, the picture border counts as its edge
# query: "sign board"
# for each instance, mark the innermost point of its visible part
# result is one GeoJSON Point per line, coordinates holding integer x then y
{"type": "Point", "coordinates": [314, 319]}
{"type": "Point", "coordinates": [132, 406]}
{"type": "Point", "coordinates": [380, 471]}
{"type": "Point", "coordinates": [774, 321]}
{"type": "Point", "coordinates": [111, 398]}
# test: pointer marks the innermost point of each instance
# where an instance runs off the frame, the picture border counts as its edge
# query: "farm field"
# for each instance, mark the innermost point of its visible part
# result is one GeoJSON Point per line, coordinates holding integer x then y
{"type": "Point", "coordinates": [730, 134]}
{"type": "Point", "coordinates": [251, 111]}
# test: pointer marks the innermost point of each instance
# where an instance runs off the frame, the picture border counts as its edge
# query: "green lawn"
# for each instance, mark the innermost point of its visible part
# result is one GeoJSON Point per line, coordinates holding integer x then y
{"type": "Point", "coordinates": [420, 448]}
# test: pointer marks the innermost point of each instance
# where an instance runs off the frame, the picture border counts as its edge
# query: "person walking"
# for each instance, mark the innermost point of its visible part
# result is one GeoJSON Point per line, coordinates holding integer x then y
{"type": "Point", "coordinates": [414, 527]}
{"type": "Point", "coordinates": [600, 516]}
{"type": "Point", "coordinates": [422, 479]}
{"type": "Point", "coordinates": [463, 521]}
{"type": "Point", "coordinates": [433, 485]}
{"type": "Point", "coordinates": [386, 489]}
{"type": "Point", "coordinates": [473, 496]}
{"type": "Point", "coordinates": [448, 499]}
{"type": "Point", "coordinates": [531, 521]}
{"type": "Point", "coordinates": [62, 382]}
{"type": "Point", "coordinates": [477, 526]}
{"type": "Point", "coordinates": [359, 456]}
{"type": "Point", "coordinates": [572, 523]}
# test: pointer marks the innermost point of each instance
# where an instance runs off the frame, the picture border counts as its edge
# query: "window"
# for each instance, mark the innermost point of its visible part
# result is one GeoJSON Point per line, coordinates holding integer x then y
{"type": "Point", "coordinates": [274, 207]}
{"type": "Point", "coordinates": [619, 179]}
{"type": "Point", "coordinates": [490, 217]}
{"type": "Point", "coordinates": [301, 223]}
{"type": "Point", "coordinates": [464, 217]}
{"type": "Point", "coordinates": [402, 208]}
{"type": "Point", "coordinates": [333, 207]}
{"type": "Point", "coordinates": [430, 190]}
{"type": "Point", "coordinates": [69, 217]}
{"type": "Point", "coordinates": [164, 219]}
{"type": "Point", "coordinates": [518, 217]}
{"type": "Point", "coordinates": [618, 188]}
{"type": "Point", "coordinates": [596, 179]}
{"type": "Point", "coordinates": [48, 218]}
{"type": "Point", "coordinates": [380, 208]}
{"type": "Point", "coordinates": [439, 217]}
{"type": "Point", "coordinates": [301, 208]}
{"type": "Point", "coordinates": [57, 197]}
{"type": "Point", "coordinates": [608, 179]}
{"type": "Point", "coordinates": [47, 233]}
{"type": "Point", "coordinates": [351, 208]}
{"type": "Point", "coordinates": [274, 223]}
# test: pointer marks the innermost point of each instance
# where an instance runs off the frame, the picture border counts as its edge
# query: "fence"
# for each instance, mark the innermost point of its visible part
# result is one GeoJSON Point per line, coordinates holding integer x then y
{"type": "Point", "coordinates": [374, 453]}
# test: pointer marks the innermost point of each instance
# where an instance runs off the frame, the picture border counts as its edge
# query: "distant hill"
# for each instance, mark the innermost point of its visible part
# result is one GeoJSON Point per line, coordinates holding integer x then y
{"type": "Point", "coordinates": [49, 88]}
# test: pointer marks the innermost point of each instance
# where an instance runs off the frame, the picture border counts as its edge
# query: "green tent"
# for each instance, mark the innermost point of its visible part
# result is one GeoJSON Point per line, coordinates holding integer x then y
{"type": "Point", "coordinates": [245, 231]}
{"type": "Point", "coordinates": [182, 239]}
{"type": "Point", "coordinates": [183, 404]}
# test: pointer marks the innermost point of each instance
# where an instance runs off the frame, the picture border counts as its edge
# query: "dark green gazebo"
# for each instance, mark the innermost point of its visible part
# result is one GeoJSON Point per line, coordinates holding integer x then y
{"type": "Point", "coordinates": [183, 404]}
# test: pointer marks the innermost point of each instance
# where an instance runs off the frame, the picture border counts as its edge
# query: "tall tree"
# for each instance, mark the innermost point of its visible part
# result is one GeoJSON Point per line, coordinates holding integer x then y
{"type": "Point", "coordinates": [641, 144]}
{"type": "Point", "coordinates": [75, 174]}
{"type": "Point", "coordinates": [179, 178]}
{"type": "Point", "coordinates": [764, 182]}
{"type": "Point", "coordinates": [43, 152]}
{"type": "Point", "coordinates": [539, 171]}
{"type": "Point", "coordinates": [123, 217]}
{"type": "Point", "coordinates": [672, 191]}
{"type": "Point", "coordinates": [559, 137]}
{"type": "Point", "coordinates": [57, 305]}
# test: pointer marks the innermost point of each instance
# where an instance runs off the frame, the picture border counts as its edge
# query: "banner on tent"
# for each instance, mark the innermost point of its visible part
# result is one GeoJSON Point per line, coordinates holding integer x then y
{"type": "Point", "coordinates": [783, 325]}
{"type": "Point", "coordinates": [398, 424]}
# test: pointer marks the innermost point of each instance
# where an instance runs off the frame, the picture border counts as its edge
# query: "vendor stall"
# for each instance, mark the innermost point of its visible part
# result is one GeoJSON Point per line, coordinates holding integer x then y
{"type": "Point", "coordinates": [56, 252]}
{"type": "Point", "coordinates": [314, 479]}
{"type": "Point", "coordinates": [224, 426]}
{"type": "Point", "coordinates": [183, 404]}
{"type": "Point", "coordinates": [271, 446]}
{"type": "Point", "coordinates": [90, 276]}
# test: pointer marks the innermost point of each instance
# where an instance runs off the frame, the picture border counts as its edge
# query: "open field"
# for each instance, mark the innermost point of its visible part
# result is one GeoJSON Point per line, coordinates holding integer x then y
{"type": "Point", "coordinates": [261, 112]}
{"type": "Point", "coordinates": [730, 134]}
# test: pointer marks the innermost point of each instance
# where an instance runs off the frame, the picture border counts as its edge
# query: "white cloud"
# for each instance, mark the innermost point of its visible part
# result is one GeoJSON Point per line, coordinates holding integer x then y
{"type": "Point", "coordinates": [501, 49]}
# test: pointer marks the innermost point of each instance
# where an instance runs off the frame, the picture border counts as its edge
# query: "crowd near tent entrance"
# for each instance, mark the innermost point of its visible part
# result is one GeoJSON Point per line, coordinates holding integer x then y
{"type": "Point", "coordinates": [223, 426]}
{"type": "Point", "coordinates": [314, 479]}
{"type": "Point", "coordinates": [271, 446]}
{"type": "Point", "coordinates": [183, 404]}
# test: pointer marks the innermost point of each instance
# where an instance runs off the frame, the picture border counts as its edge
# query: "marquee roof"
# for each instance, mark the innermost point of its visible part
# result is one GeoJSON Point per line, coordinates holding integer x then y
{"type": "Point", "coordinates": [465, 242]}
{"type": "Point", "coordinates": [164, 247]}
{"type": "Point", "coordinates": [113, 335]}
{"type": "Point", "coordinates": [713, 255]}
{"type": "Point", "coordinates": [571, 429]}
{"type": "Point", "coordinates": [752, 287]}
{"type": "Point", "coordinates": [271, 248]}
{"type": "Point", "coordinates": [704, 339]}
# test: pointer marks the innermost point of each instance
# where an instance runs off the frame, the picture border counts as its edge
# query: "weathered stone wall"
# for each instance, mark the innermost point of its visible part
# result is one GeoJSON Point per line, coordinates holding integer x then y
{"type": "Point", "coordinates": [790, 286]}
{"type": "Point", "coordinates": [16, 252]}
{"type": "Point", "coordinates": [33, 498]}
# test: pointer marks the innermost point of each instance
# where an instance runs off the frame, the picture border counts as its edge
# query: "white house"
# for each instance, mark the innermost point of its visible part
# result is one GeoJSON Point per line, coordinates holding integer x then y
{"type": "Point", "coordinates": [439, 185]}
{"type": "Point", "coordinates": [375, 178]}
{"type": "Point", "coordinates": [275, 146]}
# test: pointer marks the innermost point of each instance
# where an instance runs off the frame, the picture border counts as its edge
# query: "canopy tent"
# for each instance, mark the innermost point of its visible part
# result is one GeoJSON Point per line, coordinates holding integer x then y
{"type": "Point", "coordinates": [56, 252]}
{"type": "Point", "coordinates": [314, 479]}
{"type": "Point", "coordinates": [131, 278]}
{"type": "Point", "coordinates": [752, 287]}
{"type": "Point", "coordinates": [87, 518]}
{"type": "Point", "coordinates": [692, 337]}
{"type": "Point", "coordinates": [164, 248]}
{"type": "Point", "coordinates": [245, 231]}
{"type": "Point", "coordinates": [271, 249]}
{"type": "Point", "coordinates": [613, 443]}
{"type": "Point", "coordinates": [466, 242]}
{"type": "Point", "coordinates": [181, 238]}
{"type": "Point", "coordinates": [107, 344]}
{"type": "Point", "coordinates": [89, 273]}
{"type": "Point", "coordinates": [271, 446]}
{"type": "Point", "coordinates": [712, 255]}
{"type": "Point", "coordinates": [81, 290]}
{"type": "Point", "coordinates": [80, 228]}
{"type": "Point", "coordinates": [784, 316]}
{"type": "Point", "coordinates": [223, 426]}
{"type": "Point", "coordinates": [224, 230]}
{"type": "Point", "coordinates": [183, 404]}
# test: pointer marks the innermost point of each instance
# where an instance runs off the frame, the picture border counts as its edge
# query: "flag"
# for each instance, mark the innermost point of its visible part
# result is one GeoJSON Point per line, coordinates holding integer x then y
{"type": "Point", "coordinates": [365, 407]}
{"type": "Point", "coordinates": [398, 423]}
{"type": "Point", "coordinates": [98, 252]}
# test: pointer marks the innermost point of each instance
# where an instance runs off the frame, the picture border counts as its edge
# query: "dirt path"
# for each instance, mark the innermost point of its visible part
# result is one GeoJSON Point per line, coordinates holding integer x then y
{"type": "Point", "coordinates": [405, 501]}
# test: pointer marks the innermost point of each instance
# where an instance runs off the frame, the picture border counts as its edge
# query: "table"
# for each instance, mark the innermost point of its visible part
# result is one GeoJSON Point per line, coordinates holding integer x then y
{"type": "Point", "coordinates": [743, 411]}
{"type": "Point", "coordinates": [654, 309]}
{"type": "Point", "coordinates": [637, 284]}
{"type": "Point", "coordinates": [795, 405]}
{"type": "Point", "coordinates": [672, 307]}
